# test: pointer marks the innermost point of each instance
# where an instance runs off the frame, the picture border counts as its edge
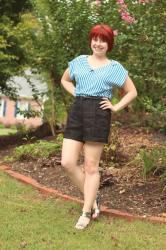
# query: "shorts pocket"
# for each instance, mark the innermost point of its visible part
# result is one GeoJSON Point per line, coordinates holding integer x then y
{"type": "Point", "coordinates": [102, 122]}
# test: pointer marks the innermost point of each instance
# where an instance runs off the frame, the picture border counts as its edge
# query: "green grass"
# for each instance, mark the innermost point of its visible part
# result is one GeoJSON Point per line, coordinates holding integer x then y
{"type": "Point", "coordinates": [32, 221]}
{"type": "Point", "coordinates": [7, 131]}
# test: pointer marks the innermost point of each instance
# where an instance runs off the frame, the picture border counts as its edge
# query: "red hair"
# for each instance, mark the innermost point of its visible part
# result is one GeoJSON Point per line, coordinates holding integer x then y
{"type": "Point", "coordinates": [104, 32]}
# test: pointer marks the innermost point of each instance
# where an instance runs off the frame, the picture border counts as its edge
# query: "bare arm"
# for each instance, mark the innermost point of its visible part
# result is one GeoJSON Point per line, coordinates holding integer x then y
{"type": "Point", "coordinates": [67, 82]}
{"type": "Point", "coordinates": [130, 94]}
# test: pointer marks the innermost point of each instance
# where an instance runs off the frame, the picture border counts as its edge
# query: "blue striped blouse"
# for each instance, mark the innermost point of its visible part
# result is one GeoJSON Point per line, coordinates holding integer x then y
{"type": "Point", "coordinates": [96, 82]}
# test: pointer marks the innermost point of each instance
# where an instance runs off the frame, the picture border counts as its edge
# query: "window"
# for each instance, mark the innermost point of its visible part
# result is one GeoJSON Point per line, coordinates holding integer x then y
{"type": "Point", "coordinates": [2, 108]}
{"type": "Point", "coordinates": [20, 106]}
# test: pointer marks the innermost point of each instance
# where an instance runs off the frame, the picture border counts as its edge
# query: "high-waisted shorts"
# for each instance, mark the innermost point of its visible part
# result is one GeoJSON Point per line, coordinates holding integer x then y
{"type": "Point", "coordinates": [87, 121]}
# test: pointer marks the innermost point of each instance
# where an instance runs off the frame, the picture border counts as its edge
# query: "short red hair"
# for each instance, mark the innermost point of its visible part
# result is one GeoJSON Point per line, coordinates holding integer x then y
{"type": "Point", "coordinates": [104, 32]}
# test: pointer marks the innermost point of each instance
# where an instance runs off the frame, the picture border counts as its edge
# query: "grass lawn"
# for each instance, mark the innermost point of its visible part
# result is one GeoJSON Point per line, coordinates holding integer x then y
{"type": "Point", "coordinates": [30, 220]}
{"type": "Point", "coordinates": [7, 131]}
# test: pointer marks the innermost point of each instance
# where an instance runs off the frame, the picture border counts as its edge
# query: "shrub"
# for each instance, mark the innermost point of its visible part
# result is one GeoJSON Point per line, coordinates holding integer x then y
{"type": "Point", "coordinates": [154, 162]}
{"type": "Point", "coordinates": [2, 126]}
{"type": "Point", "coordinates": [21, 128]}
{"type": "Point", "coordinates": [40, 149]}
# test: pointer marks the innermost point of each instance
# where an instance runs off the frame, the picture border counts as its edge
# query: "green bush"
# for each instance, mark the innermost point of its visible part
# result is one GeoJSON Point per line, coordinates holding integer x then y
{"type": "Point", "coordinates": [154, 162]}
{"type": "Point", "coordinates": [21, 128]}
{"type": "Point", "coordinates": [2, 126]}
{"type": "Point", "coordinates": [40, 149]}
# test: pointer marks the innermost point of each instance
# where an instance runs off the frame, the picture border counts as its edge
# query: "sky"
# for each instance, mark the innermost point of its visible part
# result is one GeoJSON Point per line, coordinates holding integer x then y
{"type": "Point", "coordinates": [24, 88]}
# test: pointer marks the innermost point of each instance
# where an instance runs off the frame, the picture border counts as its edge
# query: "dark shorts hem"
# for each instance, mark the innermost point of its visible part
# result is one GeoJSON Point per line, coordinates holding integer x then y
{"type": "Point", "coordinates": [100, 140]}
{"type": "Point", "coordinates": [72, 138]}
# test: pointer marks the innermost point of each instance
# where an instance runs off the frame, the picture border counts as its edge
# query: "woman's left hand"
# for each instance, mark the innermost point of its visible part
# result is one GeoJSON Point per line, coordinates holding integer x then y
{"type": "Point", "coordinates": [106, 104]}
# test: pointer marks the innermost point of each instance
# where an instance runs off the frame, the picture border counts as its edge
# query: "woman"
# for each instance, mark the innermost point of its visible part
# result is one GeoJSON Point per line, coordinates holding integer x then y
{"type": "Point", "coordinates": [89, 119]}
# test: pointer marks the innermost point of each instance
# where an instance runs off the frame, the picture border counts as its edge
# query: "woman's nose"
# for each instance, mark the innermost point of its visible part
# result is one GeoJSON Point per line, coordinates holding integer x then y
{"type": "Point", "coordinates": [98, 42]}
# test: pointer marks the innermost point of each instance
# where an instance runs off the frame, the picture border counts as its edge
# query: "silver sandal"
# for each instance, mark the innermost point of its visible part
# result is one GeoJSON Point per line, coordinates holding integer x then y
{"type": "Point", "coordinates": [96, 211]}
{"type": "Point", "coordinates": [82, 224]}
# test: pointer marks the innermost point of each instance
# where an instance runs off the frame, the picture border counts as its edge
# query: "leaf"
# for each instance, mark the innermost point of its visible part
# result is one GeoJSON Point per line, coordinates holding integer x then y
{"type": "Point", "coordinates": [122, 191]}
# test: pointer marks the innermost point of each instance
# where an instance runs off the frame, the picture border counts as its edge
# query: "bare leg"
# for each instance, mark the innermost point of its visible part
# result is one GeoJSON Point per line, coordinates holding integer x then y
{"type": "Point", "coordinates": [70, 153]}
{"type": "Point", "coordinates": [84, 181]}
{"type": "Point", "coordinates": [92, 151]}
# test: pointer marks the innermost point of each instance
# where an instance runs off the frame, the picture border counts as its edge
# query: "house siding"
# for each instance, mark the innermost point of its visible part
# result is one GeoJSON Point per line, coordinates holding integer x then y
{"type": "Point", "coordinates": [9, 116]}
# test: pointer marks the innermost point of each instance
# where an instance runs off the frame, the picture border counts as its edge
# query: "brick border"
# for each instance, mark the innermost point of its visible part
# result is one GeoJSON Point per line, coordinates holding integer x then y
{"type": "Point", "coordinates": [105, 210]}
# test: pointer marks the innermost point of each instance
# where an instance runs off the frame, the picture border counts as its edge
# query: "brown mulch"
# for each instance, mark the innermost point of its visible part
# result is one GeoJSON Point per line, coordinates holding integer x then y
{"type": "Point", "coordinates": [122, 187]}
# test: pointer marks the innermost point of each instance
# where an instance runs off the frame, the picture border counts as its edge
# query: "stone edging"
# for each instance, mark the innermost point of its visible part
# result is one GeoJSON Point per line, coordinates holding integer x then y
{"type": "Point", "coordinates": [105, 210]}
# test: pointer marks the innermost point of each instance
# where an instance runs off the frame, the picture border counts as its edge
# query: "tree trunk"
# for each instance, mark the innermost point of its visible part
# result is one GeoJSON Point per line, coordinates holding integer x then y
{"type": "Point", "coordinates": [53, 100]}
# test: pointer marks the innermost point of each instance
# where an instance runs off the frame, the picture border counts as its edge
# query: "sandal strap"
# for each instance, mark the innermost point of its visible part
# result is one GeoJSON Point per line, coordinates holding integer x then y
{"type": "Point", "coordinates": [95, 210]}
{"type": "Point", "coordinates": [98, 200]}
{"type": "Point", "coordinates": [86, 214]}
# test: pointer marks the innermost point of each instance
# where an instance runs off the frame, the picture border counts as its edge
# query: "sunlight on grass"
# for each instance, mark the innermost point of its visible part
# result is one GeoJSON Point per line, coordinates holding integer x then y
{"type": "Point", "coordinates": [33, 221]}
{"type": "Point", "coordinates": [7, 131]}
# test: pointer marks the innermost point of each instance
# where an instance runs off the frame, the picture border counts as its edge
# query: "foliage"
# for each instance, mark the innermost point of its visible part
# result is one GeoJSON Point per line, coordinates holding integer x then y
{"type": "Point", "coordinates": [40, 149]}
{"type": "Point", "coordinates": [12, 55]}
{"type": "Point", "coordinates": [48, 43]}
{"type": "Point", "coordinates": [155, 116]}
{"type": "Point", "coordinates": [140, 45]}
{"type": "Point", "coordinates": [29, 113]}
{"type": "Point", "coordinates": [154, 162]}
{"type": "Point", "coordinates": [156, 121]}
{"type": "Point", "coordinates": [7, 131]}
{"type": "Point", "coordinates": [53, 33]}
{"type": "Point", "coordinates": [21, 128]}
{"type": "Point", "coordinates": [149, 106]}
{"type": "Point", "coordinates": [13, 8]}
{"type": "Point", "coordinates": [57, 40]}
{"type": "Point", "coordinates": [2, 125]}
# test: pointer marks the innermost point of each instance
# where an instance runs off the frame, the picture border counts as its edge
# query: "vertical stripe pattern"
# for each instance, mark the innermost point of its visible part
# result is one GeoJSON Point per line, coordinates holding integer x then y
{"type": "Point", "coordinates": [99, 81]}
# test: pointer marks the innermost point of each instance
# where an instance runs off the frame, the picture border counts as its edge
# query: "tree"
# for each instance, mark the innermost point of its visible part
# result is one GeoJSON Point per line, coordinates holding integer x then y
{"type": "Point", "coordinates": [54, 43]}
{"type": "Point", "coordinates": [12, 55]}
{"type": "Point", "coordinates": [56, 31]}
{"type": "Point", "coordinates": [140, 43]}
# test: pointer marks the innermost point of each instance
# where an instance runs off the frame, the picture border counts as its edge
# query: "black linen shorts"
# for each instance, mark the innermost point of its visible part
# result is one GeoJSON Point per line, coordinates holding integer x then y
{"type": "Point", "coordinates": [87, 121]}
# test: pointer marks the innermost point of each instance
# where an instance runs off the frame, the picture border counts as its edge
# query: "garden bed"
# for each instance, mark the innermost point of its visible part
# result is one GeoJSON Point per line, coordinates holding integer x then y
{"type": "Point", "coordinates": [122, 187]}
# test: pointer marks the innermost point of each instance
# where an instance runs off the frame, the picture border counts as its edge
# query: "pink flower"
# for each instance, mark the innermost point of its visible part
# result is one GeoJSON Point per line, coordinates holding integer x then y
{"type": "Point", "coordinates": [98, 2]}
{"type": "Point", "coordinates": [127, 18]}
{"type": "Point", "coordinates": [125, 15]}
{"type": "Point", "coordinates": [120, 2]}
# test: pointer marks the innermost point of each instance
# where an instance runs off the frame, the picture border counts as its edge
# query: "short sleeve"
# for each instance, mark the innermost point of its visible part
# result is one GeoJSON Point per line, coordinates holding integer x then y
{"type": "Point", "coordinates": [120, 75]}
{"type": "Point", "coordinates": [72, 66]}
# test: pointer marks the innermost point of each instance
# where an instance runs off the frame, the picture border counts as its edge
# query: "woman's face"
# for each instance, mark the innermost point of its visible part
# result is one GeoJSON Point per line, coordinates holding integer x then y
{"type": "Point", "coordinates": [98, 46]}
